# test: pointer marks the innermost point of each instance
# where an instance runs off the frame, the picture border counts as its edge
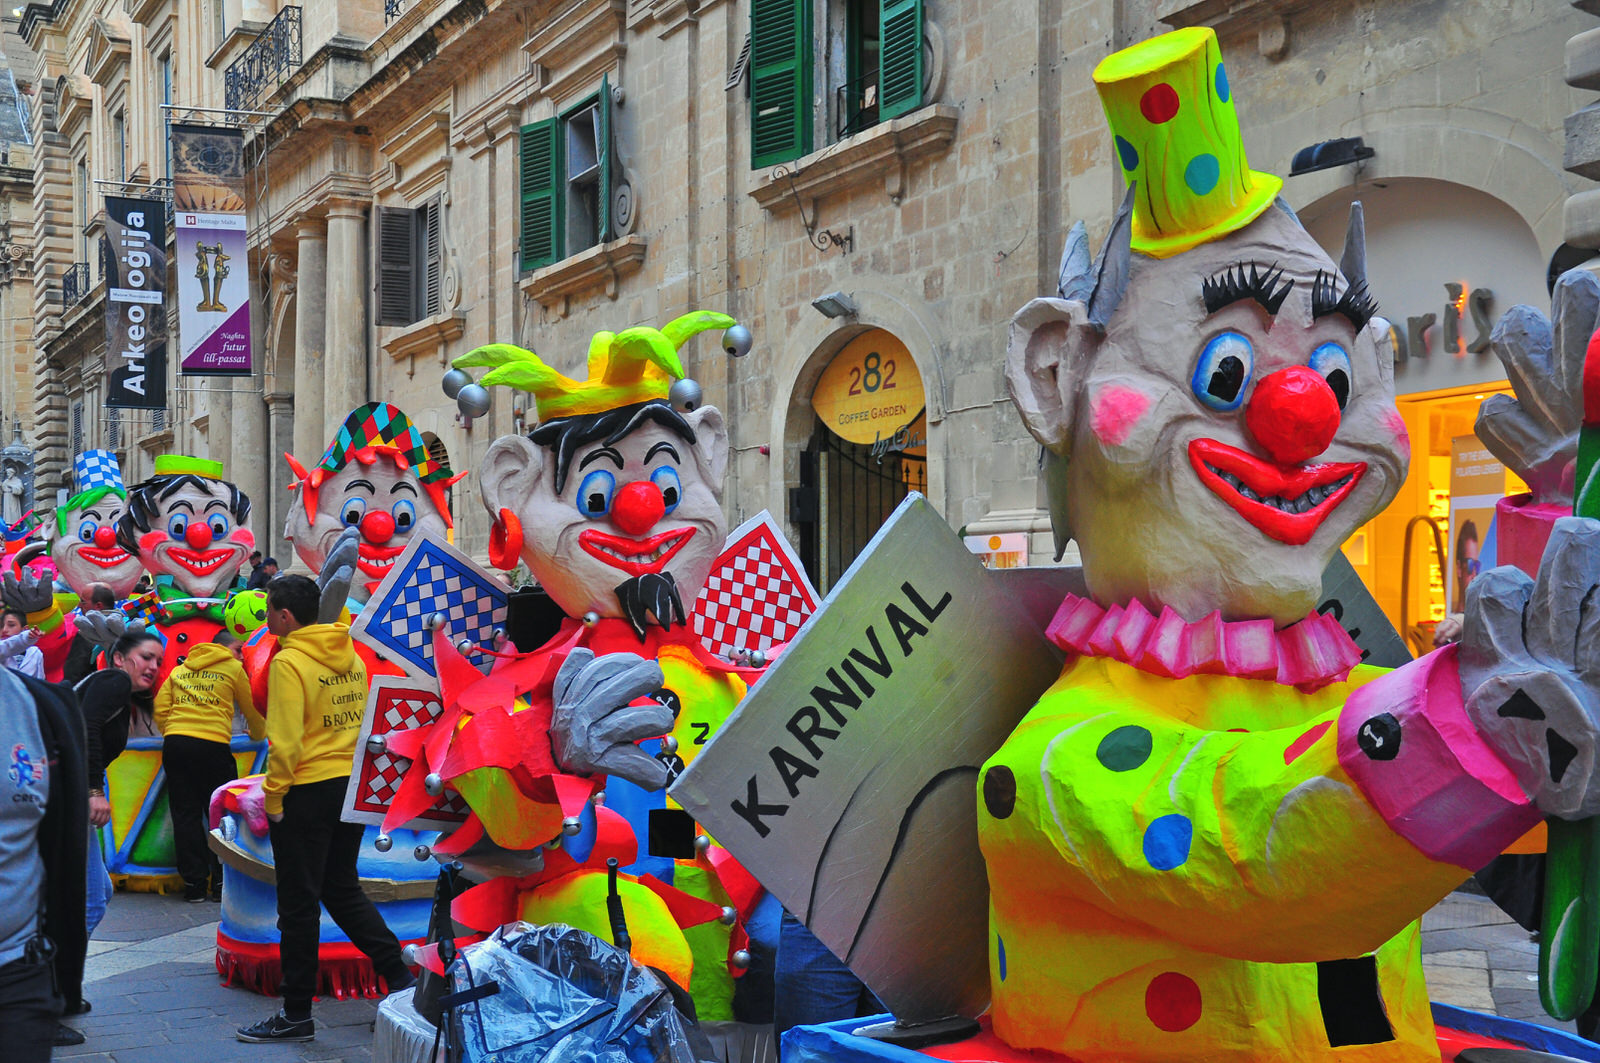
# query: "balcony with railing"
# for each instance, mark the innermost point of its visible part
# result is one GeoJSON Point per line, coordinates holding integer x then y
{"type": "Point", "coordinates": [270, 59]}
{"type": "Point", "coordinates": [75, 284]}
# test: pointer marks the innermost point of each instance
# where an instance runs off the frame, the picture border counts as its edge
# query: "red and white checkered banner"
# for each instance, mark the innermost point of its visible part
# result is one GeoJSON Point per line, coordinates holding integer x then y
{"type": "Point", "coordinates": [757, 595]}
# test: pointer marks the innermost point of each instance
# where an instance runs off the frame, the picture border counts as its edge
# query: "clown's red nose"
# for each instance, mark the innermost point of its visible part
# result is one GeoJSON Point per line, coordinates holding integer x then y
{"type": "Point", "coordinates": [1293, 415]}
{"type": "Point", "coordinates": [197, 535]}
{"type": "Point", "coordinates": [637, 507]}
{"type": "Point", "coordinates": [105, 537]}
{"type": "Point", "coordinates": [377, 527]}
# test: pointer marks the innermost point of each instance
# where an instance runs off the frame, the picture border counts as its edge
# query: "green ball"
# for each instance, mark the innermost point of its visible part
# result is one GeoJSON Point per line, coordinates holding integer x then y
{"type": "Point", "coordinates": [245, 612]}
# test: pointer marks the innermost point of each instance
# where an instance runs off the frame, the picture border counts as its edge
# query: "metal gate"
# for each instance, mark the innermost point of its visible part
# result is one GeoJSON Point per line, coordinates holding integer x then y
{"type": "Point", "coordinates": [846, 492]}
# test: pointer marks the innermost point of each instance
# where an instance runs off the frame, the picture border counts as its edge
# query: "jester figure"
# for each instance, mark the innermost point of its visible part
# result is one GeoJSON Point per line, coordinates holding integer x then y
{"type": "Point", "coordinates": [190, 529]}
{"type": "Point", "coordinates": [377, 477]}
{"type": "Point", "coordinates": [1213, 835]}
{"type": "Point", "coordinates": [612, 502]}
{"type": "Point", "coordinates": [84, 551]}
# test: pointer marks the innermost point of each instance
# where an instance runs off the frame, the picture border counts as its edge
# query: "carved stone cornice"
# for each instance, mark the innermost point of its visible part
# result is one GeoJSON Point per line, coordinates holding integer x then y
{"type": "Point", "coordinates": [419, 156]}
{"type": "Point", "coordinates": [427, 336]}
{"type": "Point", "coordinates": [110, 46]}
{"type": "Point", "coordinates": [884, 152]}
{"type": "Point", "coordinates": [577, 45]}
{"type": "Point", "coordinates": [600, 268]}
{"type": "Point", "coordinates": [74, 102]}
{"type": "Point", "coordinates": [667, 16]}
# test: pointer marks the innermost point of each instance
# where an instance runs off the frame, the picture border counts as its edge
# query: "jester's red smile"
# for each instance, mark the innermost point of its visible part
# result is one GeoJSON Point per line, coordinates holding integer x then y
{"type": "Point", "coordinates": [104, 558]}
{"type": "Point", "coordinates": [634, 556]}
{"type": "Point", "coordinates": [1286, 504]}
{"type": "Point", "coordinates": [200, 562]}
{"type": "Point", "coordinates": [376, 561]}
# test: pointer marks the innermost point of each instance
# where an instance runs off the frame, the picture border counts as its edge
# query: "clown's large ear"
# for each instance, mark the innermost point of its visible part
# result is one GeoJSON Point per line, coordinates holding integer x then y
{"type": "Point", "coordinates": [710, 446]}
{"type": "Point", "coordinates": [510, 472]}
{"type": "Point", "coordinates": [1048, 351]}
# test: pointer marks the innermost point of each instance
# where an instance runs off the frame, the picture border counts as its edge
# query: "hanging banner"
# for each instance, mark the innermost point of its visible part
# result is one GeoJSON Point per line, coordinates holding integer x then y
{"type": "Point", "coordinates": [134, 263]}
{"type": "Point", "coordinates": [212, 257]}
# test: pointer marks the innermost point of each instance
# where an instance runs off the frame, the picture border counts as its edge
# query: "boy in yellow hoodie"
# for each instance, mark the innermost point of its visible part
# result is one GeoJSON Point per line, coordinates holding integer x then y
{"type": "Point", "coordinates": [316, 690]}
{"type": "Point", "coordinates": [194, 712]}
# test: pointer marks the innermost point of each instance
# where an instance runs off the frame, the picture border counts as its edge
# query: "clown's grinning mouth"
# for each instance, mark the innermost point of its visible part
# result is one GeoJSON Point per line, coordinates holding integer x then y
{"type": "Point", "coordinates": [1304, 503]}
{"type": "Point", "coordinates": [200, 568]}
{"type": "Point", "coordinates": [646, 558]}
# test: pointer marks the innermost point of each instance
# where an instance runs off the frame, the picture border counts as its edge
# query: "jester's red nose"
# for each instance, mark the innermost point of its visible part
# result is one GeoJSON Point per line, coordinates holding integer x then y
{"type": "Point", "coordinates": [637, 507]}
{"type": "Point", "coordinates": [1293, 415]}
{"type": "Point", "coordinates": [105, 537]}
{"type": "Point", "coordinates": [377, 527]}
{"type": "Point", "coordinates": [197, 535]}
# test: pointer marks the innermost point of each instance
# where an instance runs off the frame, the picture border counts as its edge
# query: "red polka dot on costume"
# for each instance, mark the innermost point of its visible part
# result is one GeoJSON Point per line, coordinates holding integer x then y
{"type": "Point", "coordinates": [1159, 103]}
{"type": "Point", "coordinates": [1172, 1001]}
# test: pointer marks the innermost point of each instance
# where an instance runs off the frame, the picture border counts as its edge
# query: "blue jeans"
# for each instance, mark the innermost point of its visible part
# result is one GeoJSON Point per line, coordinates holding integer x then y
{"type": "Point", "coordinates": [99, 884]}
{"type": "Point", "coordinates": [811, 984]}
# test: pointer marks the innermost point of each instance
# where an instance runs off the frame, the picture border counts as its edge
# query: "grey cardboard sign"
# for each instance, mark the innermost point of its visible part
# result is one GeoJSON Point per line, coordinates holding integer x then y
{"type": "Point", "coordinates": [847, 779]}
{"type": "Point", "coordinates": [1347, 600]}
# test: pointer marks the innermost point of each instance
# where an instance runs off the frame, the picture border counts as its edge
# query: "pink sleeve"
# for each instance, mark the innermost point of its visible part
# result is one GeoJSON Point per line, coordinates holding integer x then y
{"type": "Point", "coordinates": [1406, 741]}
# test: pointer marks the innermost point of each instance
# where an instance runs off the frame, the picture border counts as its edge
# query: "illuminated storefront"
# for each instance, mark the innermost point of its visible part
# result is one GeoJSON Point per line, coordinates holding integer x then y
{"type": "Point", "coordinates": [1445, 261]}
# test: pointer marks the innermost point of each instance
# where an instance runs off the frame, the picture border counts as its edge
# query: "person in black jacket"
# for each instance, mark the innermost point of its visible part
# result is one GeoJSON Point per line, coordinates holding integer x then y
{"type": "Point", "coordinates": [80, 657]}
{"type": "Point", "coordinates": [43, 830]}
{"type": "Point", "coordinates": [109, 699]}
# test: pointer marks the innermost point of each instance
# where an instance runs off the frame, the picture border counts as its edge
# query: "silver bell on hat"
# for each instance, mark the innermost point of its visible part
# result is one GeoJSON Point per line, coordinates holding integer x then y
{"type": "Point", "coordinates": [454, 381]}
{"type": "Point", "coordinates": [737, 341]}
{"type": "Point", "coordinates": [473, 400]}
{"type": "Point", "coordinates": [685, 395]}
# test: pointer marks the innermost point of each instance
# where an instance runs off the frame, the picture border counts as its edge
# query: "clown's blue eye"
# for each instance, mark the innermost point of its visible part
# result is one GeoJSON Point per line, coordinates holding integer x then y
{"type": "Point", "coordinates": [666, 478]}
{"type": "Point", "coordinates": [219, 526]}
{"type": "Point", "coordinates": [405, 515]}
{"type": "Point", "coordinates": [86, 531]}
{"type": "Point", "coordinates": [1332, 362]}
{"type": "Point", "coordinates": [178, 525]}
{"type": "Point", "coordinates": [354, 509]}
{"type": "Point", "coordinates": [1223, 371]}
{"type": "Point", "coordinates": [594, 494]}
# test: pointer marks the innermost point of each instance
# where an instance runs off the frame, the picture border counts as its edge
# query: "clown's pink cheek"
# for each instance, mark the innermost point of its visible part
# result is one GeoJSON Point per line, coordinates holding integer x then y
{"type": "Point", "coordinates": [1396, 425]}
{"type": "Point", "coordinates": [1114, 413]}
{"type": "Point", "coordinates": [150, 540]}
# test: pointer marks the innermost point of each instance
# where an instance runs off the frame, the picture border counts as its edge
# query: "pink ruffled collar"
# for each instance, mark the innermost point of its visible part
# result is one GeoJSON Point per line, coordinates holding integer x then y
{"type": "Point", "coordinates": [1310, 654]}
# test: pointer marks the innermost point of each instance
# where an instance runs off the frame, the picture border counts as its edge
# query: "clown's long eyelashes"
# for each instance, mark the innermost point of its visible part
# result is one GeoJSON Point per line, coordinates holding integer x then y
{"type": "Point", "coordinates": [1225, 365]}
{"type": "Point", "coordinates": [1332, 363]}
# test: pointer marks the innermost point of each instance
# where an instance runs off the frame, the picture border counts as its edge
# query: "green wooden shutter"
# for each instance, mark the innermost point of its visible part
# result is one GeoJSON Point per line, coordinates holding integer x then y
{"type": "Point", "coordinates": [541, 193]}
{"type": "Point", "coordinates": [780, 81]}
{"type": "Point", "coordinates": [397, 255]}
{"type": "Point", "coordinates": [603, 150]}
{"type": "Point", "coordinates": [900, 58]}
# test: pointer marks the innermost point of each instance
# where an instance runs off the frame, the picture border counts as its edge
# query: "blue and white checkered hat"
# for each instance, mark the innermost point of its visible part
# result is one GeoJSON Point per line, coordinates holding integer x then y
{"type": "Point", "coordinates": [96, 468]}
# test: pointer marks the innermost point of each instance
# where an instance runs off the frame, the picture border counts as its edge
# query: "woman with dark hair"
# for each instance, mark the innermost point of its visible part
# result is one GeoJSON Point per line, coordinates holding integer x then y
{"type": "Point", "coordinates": [110, 699]}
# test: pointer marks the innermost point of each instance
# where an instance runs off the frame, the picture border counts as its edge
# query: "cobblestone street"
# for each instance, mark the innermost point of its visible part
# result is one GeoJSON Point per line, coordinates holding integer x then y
{"type": "Point", "coordinates": [157, 997]}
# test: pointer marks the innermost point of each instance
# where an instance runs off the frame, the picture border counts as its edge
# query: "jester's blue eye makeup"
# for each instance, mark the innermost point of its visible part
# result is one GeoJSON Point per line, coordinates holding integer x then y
{"type": "Point", "coordinates": [1223, 371]}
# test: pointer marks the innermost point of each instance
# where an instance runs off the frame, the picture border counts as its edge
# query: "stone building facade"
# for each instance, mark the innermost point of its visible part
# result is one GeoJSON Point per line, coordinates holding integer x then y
{"type": "Point", "coordinates": [440, 174]}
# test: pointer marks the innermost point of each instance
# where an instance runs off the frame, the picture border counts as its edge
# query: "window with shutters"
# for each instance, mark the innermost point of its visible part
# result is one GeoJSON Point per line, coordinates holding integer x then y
{"type": "Point", "coordinates": [872, 64]}
{"type": "Point", "coordinates": [77, 427]}
{"type": "Point", "coordinates": [410, 252]}
{"type": "Point", "coordinates": [113, 428]}
{"type": "Point", "coordinates": [566, 182]}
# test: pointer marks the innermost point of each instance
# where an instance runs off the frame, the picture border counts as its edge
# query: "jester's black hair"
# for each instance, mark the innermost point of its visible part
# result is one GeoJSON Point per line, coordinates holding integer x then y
{"type": "Point", "coordinates": [565, 435]}
{"type": "Point", "coordinates": [144, 504]}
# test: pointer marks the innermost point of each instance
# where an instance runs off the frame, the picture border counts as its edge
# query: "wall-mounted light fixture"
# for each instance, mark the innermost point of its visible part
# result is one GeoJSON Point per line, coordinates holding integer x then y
{"type": "Point", "coordinates": [1329, 154]}
{"type": "Point", "coordinates": [835, 304]}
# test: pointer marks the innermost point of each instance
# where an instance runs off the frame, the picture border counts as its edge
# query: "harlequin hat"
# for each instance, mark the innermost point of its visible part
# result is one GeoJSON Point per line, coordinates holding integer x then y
{"type": "Point", "coordinates": [635, 365]}
{"type": "Point", "coordinates": [94, 469]}
{"type": "Point", "coordinates": [1171, 111]}
{"type": "Point", "coordinates": [368, 431]}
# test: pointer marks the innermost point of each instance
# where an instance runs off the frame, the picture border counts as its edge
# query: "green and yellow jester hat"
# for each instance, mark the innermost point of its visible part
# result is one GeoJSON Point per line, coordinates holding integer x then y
{"type": "Point", "coordinates": [1171, 112]}
{"type": "Point", "coordinates": [635, 365]}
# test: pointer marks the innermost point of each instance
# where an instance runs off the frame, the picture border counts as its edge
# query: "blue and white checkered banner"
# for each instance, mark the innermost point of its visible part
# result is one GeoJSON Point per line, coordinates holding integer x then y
{"type": "Point", "coordinates": [431, 577]}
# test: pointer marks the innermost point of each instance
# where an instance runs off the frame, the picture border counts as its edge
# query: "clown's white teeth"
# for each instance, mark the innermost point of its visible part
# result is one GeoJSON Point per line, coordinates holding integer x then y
{"type": "Point", "coordinates": [379, 562]}
{"type": "Point", "coordinates": [654, 555]}
{"type": "Point", "coordinates": [202, 567]}
{"type": "Point", "coordinates": [1303, 503]}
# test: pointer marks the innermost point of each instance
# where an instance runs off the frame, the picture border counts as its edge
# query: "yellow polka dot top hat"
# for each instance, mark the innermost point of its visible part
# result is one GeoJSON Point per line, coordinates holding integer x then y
{"type": "Point", "coordinates": [1170, 109]}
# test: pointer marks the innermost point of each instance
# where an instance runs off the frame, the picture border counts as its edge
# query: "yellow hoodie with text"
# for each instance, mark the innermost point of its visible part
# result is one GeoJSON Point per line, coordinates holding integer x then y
{"type": "Point", "coordinates": [198, 697]}
{"type": "Point", "coordinates": [316, 691]}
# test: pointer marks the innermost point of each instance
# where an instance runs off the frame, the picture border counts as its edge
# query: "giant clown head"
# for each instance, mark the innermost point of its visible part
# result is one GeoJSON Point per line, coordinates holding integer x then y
{"type": "Point", "coordinates": [187, 523]}
{"type": "Point", "coordinates": [85, 548]}
{"type": "Point", "coordinates": [377, 476]}
{"type": "Point", "coordinates": [613, 500]}
{"type": "Point", "coordinates": [1214, 396]}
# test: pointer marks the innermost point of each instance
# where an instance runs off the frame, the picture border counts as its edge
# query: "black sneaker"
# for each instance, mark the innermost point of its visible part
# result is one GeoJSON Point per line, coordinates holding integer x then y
{"type": "Point", "coordinates": [66, 1035]}
{"type": "Point", "coordinates": [276, 1028]}
{"type": "Point", "coordinates": [216, 893]}
{"type": "Point", "coordinates": [194, 894]}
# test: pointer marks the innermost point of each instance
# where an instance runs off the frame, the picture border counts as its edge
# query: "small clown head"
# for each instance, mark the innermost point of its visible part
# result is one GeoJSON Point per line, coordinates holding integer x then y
{"type": "Point", "coordinates": [85, 548]}
{"type": "Point", "coordinates": [188, 523]}
{"type": "Point", "coordinates": [617, 492]}
{"type": "Point", "coordinates": [377, 476]}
